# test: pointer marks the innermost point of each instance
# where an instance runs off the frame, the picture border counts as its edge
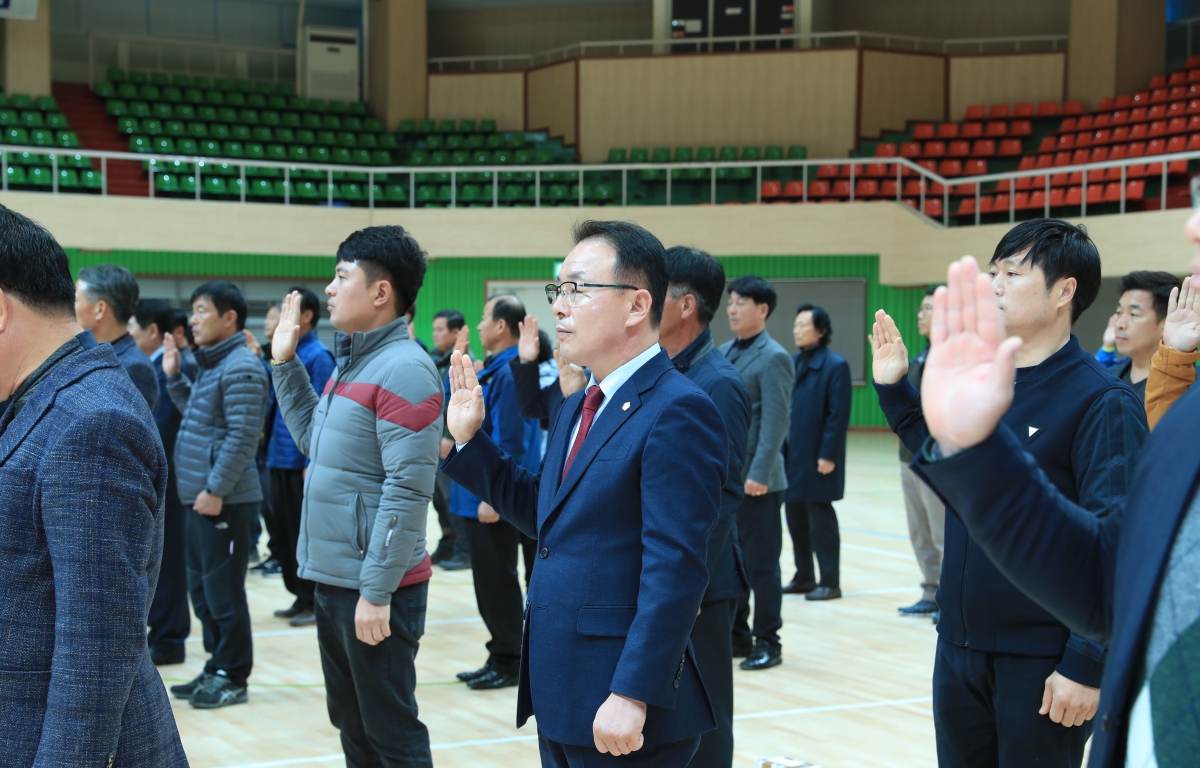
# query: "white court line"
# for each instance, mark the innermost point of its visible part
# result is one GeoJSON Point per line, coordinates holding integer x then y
{"type": "Point", "coordinates": [511, 739]}
{"type": "Point", "coordinates": [887, 591]}
{"type": "Point", "coordinates": [876, 533]}
{"type": "Point", "coordinates": [285, 632]}
{"type": "Point", "coordinates": [874, 551]}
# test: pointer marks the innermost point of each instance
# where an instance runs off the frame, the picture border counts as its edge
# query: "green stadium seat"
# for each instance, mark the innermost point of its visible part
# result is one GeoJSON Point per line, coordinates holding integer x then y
{"type": "Point", "coordinates": [40, 176]}
{"type": "Point", "coordinates": [140, 144]}
{"type": "Point", "coordinates": [16, 135]}
{"type": "Point", "coordinates": [231, 149]}
{"type": "Point", "coordinates": [262, 133]}
{"type": "Point", "coordinates": [351, 123]}
{"type": "Point", "coordinates": [356, 108]}
{"type": "Point", "coordinates": [163, 145]}
{"type": "Point", "coordinates": [487, 126]}
{"type": "Point", "coordinates": [277, 152]}
{"type": "Point", "coordinates": [139, 109]}
{"type": "Point", "coordinates": [365, 141]}
{"type": "Point", "coordinates": [105, 90]}
{"type": "Point", "coordinates": [174, 128]}
{"type": "Point", "coordinates": [311, 121]}
{"type": "Point", "coordinates": [290, 120]}
{"type": "Point", "coordinates": [68, 179]}
{"type": "Point", "coordinates": [46, 103]}
{"type": "Point", "coordinates": [160, 79]}
{"type": "Point", "coordinates": [371, 125]}
{"type": "Point", "coordinates": [328, 138]}
{"type": "Point", "coordinates": [797, 153]}
{"type": "Point", "coordinates": [239, 133]}
{"type": "Point", "coordinates": [407, 126]}
{"type": "Point", "coordinates": [234, 99]}
{"type": "Point", "coordinates": [297, 153]}
{"type": "Point", "coordinates": [639, 155]}
{"type": "Point", "coordinates": [162, 111]}
{"type": "Point", "coordinates": [149, 93]}
{"type": "Point", "coordinates": [218, 131]}
{"type": "Point", "coordinates": [388, 141]}
{"type": "Point", "coordinates": [337, 106]}
{"type": "Point", "coordinates": [222, 84]}
{"type": "Point", "coordinates": [316, 105]}
{"type": "Point", "coordinates": [346, 139]}
{"type": "Point", "coordinates": [435, 142]}
{"type": "Point", "coordinates": [114, 75]}
{"type": "Point", "coordinates": [16, 176]}
{"type": "Point", "coordinates": [209, 148]}
{"type": "Point", "coordinates": [127, 125]}
{"type": "Point", "coordinates": [68, 140]}
{"type": "Point", "coordinates": [278, 103]}
{"type": "Point", "coordinates": [31, 119]}
{"type": "Point", "coordinates": [40, 137]}
{"type": "Point", "coordinates": [512, 193]}
{"type": "Point", "coordinates": [353, 192]}
{"type": "Point", "coordinates": [166, 183]}
{"type": "Point", "coordinates": [396, 193]}
{"type": "Point", "coordinates": [341, 156]}
{"type": "Point", "coordinates": [262, 188]}
{"type": "Point", "coordinates": [221, 169]}
{"type": "Point", "coordinates": [185, 112]}
{"type": "Point", "coordinates": [213, 186]}
{"type": "Point", "coordinates": [9, 117]}
{"type": "Point", "coordinates": [305, 136]}
{"type": "Point", "coordinates": [305, 191]}
{"type": "Point", "coordinates": [426, 193]}
{"type": "Point", "coordinates": [197, 130]}
{"type": "Point", "coordinates": [206, 113]}
{"type": "Point", "coordinates": [20, 101]}
{"type": "Point", "coordinates": [773, 153]}
{"type": "Point", "coordinates": [201, 82]}
{"type": "Point", "coordinates": [319, 154]}
{"type": "Point", "coordinates": [263, 88]}
{"type": "Point", "coordinates": [426, 126]}
{"type": "Point", "coordinates": [227, 115]}
{"type": "Point", "coordinates": [193, 96]}
{"type": "Point", "coordinates": [76, 161]}
{"type": "Point", "coordinates": [326, 188]}
{"type": "Point", "coordinates": [270, 118]}
{"type": "Point", "coordinates": [254, 151]}
{"type": "Point", "coordinates": [137, 77]}
{"type": "Point", "coordinates": [247, 116]}
{"type": "Point", "coordinates": [256, 101]}
{"type": "Point", "coordinates": [187, 185]}
{"type": "Point", "coordinates": [360, 157]}
{"type": "Point", "coordinates": [152, 127]}
{"type": "Point", "coordinates": [284, 135]}
{"type": "Point", "coordinates": [297, 103]}
{"type": "Point", "coordinates": [186, 146]}
{"type": "Point", "coordinates": [181, 81]}
{"type": "Point", "coordinates": [381, 157]}
{"type": "Point", "coordinates": [282, 187]}
{"type": "Point", "coordinates": [172, 94]}
{"type": "Point", "coordinates": [616, 156]}
{"type": "Point", "coordinates": [115, 108]}
{"type": "Point", "coordinates": [127, 91]}
{"type": "Point", "coordinates": [556, 193]}
{"type": "Point", "coordinates": [89, 179]}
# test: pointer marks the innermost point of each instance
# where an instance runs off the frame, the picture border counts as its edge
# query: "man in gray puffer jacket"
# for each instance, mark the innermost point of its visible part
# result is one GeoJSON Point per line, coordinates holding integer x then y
{"type": "Point", "coordinates": [373, 439]}
{"type": "Point", "coordinates": [216, 476]}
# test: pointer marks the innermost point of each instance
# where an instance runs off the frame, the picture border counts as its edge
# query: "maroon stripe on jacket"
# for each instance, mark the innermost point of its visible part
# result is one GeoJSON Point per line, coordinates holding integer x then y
{"type": "Point", "coordinates": [391, 407]}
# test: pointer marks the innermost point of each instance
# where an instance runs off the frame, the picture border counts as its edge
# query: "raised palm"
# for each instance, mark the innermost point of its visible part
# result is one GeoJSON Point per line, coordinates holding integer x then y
{"type": "Point", "coordinates": [530, 346]}
{"type": "Point", "coordinates": [967, 383]}
{"type": "Point", "coordinates": [1182, 329]}
{"type": "Point", "coordinates": [464, 415]}
{"type": "Point", "coordinates": [287, 333]}
{"type": "Point", "coordinates": [889, 357]}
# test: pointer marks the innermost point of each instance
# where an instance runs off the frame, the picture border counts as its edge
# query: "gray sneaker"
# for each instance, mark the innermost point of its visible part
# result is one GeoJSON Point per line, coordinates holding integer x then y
{"type": "Point", "coordinates": [219, 691]}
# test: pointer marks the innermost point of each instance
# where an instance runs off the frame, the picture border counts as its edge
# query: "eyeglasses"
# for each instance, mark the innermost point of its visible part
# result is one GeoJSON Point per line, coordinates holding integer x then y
{"type": "Point", "coordinates": [570, 289]}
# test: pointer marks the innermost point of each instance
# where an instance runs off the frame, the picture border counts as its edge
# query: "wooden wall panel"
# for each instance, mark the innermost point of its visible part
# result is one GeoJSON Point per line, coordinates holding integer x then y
{"type": "Point", "coordinates": [792, 97]}
{"type": "Point", "coordinates": [498, 95]}
{"type": "Point", "coordinates": [551, 101]}
{"type": "Point", "coordinates": [1005, 80]}
{"type": "Point", "coordinates": [953, 18]}
{"type": "Point", "coordinates": [478, 31]}
{"type": "Point", "coordinates": [897, 87]}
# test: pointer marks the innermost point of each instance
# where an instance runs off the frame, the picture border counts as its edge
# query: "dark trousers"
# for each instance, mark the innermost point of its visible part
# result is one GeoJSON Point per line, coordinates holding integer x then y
{"type": "Point", "coordinates": [675, 754]}
{"type": "Point", "coordinates": [985, 712]}
{"type": "Point", "coordinates": [217, 550]}
{"type": "Point", "coordinates": [713, 645]}
{"type": "Point", "coordinates": [287, 502]}
{"type": "Point", "coordinates": [814, 530]}
{"type": "Point", "coordinates": [761, 534]}
{"type": "Point", "coordinates": [370, 690]}
{"type": "Point", "coordinates": [497, 589]}
{"type": "Point", "coordinates": [170, 618]}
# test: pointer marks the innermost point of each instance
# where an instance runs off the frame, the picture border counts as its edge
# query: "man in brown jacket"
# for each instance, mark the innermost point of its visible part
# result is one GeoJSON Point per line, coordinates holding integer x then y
{"type": "Point", "coordinates": [1173, 367]}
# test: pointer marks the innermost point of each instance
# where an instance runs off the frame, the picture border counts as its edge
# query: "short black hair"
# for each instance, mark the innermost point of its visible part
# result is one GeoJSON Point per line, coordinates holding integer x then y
{"type": "Point", "coordinates": [693, 271]}
{"type": "Point", "coordinates": [308, 302]}
{"type": "Point", "coordinates": [182, 321]}
{"type": "Point", "coordinates": [454, 319]}
{"type": "Point", "coordinates": [931, 290]}
{"type": "Point", "coordinates": [509, 309]}
{"type": "Point", "coordinates": [33, 266]}
{"type": "Point", "coordinates": [155, 312]}
{"type": "Point", "coordinates": [411, 311]}
{"type": "Point", "coordinates": [820, 320]}
{"type": "Point", "coordinates": [224, 296]}
{"type": "Point", "coordinates": [1158, 283]}
{"type": "Point", "coordinates": [640, 258]}
{"type": "Point", "coordinates": [114, 285]}
{"type": "Point", "coordinates": [388, 253]}
{"type": "Point", "coordinates": [757, 290]}
{"type": "Point", "coordinates": [1060, 250]}
{"type": "Point", "coordinates": [545, 349]}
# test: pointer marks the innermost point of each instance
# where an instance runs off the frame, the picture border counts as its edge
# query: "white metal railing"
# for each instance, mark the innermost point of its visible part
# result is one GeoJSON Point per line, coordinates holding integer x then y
{"type": "Point", "coordinates": [190, 58]}
{"type": "Point", "coordinates": [903, 167]}
{"type": "Point", "coordinates": [846, 39]}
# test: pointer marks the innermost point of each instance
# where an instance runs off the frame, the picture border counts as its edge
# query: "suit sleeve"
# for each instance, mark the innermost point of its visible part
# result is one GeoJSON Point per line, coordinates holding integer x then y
{"type": "Point", "coordinates": [1058, 553]}
{"type": "Point", "coordinates": [297, 400]}
{"type": "Point", "coordinates": [146, 381]}
{"type": "Point", "coordinates": [733, 404]}
{"type": "Point", "coordinates": [499, 480]}
{"type": "Point", "coordinates": [179, 387]}
{"type": "Point", "coordinates": [901, 405]}
{"type": "Point", "coordinates": [244, 395]}
{"type": "Point", "coordinates": [776, 381]}
{"type": "Point", "coordinates": [837, 414]}
{"type": "Point", "coordinates": [683, 469]}
{"type": "Point", "coordinates": [533, 401]}
{"type": "Point", "coordinates": [1105, 451]}
{"type": "Point", "coordinates": [104, 538]}
{"type": "Point", "coordinates": [409, 450]}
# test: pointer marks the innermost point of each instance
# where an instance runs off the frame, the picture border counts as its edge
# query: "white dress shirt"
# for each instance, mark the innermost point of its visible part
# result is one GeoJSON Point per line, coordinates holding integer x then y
{"type": "Point", "coordinates": [612, 382]}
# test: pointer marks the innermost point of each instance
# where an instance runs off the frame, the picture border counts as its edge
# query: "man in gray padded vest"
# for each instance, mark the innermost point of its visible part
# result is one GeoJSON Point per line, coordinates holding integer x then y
{"type": "Point", "coordinates": [373, 441]}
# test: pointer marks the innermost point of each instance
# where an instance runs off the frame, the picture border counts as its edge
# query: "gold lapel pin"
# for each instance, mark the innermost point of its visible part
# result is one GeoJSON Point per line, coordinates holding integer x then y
{"type": "Point", "coordinates": [625, 407]}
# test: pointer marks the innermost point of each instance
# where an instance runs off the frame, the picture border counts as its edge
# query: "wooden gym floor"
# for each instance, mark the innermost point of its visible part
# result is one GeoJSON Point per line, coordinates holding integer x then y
{"type": "Point", "coordinates": [853, 690]}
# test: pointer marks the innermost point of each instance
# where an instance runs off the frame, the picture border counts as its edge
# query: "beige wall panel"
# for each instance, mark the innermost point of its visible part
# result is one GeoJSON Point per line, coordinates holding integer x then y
{"type": "Point", "coordinates": [536, 28]}
{"type": "Point", "coordinates": [1141, 43]}
{"type": "Point", "coordinates": [27, 53]}
{"type": "Point", "coordinates": [897, 87]}
{"type": "Point", "coordinates": [911, 251]}
{"type": "Point", "coordinates": [397, 61]}
{"type": "Point", "coordinates": [1092, 58]}
{"type": "Point", "coordinates": [1004, 79]}
{"type": "Point", "coordinates": [499, 95]}
{"type": "Point", "coordinates": [803, 97]}
{"type": "Point", "coordinates": [953, 18]}
{"type": "Point", "coordinates": [551, 100]}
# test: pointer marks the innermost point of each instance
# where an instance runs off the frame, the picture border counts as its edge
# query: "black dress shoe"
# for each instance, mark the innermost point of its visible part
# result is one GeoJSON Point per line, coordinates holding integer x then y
{"type": "Point", "coordinates": [824, 593]}
{"type": "Point", "coordinates": [792, 588]}
{"type": "Point", "coordinates": [163, 655]}
{"type": "Point", "coordinates": [305, 618]}
{"type": "Point", "coordinates": [493, 680]}
{"type": "Point", "coordinates": [742, 650]}
{"type": "Point", "coordinates": [467, 677]}
{"type": "Point", "coordinates": [287, 613]}
{"type": "Point", "coordinates": [456, 563]}
{"type": "Point", "coordinates": [764, 656]}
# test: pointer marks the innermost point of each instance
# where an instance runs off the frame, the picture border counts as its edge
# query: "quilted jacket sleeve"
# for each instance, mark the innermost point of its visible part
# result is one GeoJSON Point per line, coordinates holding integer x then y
{"type": "Point", "coordinates": [297, 400]}
{"type": "Point", "coordinates": [244, 390]}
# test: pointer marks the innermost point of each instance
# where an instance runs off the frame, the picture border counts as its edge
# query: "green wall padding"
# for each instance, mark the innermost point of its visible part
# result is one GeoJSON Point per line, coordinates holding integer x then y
{"type": "Point", "coordinates": [460, 283]}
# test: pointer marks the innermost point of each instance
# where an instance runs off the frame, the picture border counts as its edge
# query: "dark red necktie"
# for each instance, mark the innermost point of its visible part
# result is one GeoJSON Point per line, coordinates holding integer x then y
{"type": "Point", "coordinates": [591, 404]}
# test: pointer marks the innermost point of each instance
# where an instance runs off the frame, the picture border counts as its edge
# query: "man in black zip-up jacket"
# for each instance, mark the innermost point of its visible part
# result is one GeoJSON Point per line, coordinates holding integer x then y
{"type": "Point", "coordinates": [1001, 655]}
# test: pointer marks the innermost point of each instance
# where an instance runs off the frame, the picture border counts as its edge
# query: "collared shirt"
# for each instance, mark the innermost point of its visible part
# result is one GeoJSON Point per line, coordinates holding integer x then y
{"type": "Point", "coordinates": [157, 354]}
{"type": "Point", "coordinates": [747, 342]}
{"type": "Point", "coordinates": [612, 382]}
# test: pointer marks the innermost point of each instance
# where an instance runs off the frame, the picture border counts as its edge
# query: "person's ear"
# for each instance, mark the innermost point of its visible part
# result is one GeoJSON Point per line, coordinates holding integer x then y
{"type": "Point", "coordinates": [381, 294]}
{"type": "Point", "coordinates": [306, 317]}
{"type": "Point", "coordinates": [1066, 292]}
{"type": "Point", "coordinates": [687, 305]}
{"type": "Point", "coordinates": [5, 311]}
{"type": "Point", "coordinates": [230, 318]}
{"type": "Point", "coordinates": [639, 308]}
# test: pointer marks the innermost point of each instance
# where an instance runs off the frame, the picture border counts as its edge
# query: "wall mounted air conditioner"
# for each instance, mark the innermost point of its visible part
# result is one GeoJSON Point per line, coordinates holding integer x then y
{"type": "Point", "coordinates": [331, 63]}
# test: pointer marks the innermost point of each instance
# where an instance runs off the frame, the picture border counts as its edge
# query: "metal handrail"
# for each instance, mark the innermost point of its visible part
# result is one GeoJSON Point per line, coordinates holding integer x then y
{"type": "Point", "coordinates": [857, 37]}
{"type": "Point", "coordinates": [855, 165]}
{"type": "Point", "coordinates": [275, 53]}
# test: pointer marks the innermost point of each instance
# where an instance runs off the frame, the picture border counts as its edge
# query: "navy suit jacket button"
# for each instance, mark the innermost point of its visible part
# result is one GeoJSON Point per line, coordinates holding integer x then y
{"type": "Point", "coordinates": [544, 553]}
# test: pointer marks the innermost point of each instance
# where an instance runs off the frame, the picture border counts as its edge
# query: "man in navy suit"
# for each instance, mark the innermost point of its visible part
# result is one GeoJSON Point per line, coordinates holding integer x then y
{"type": "Point", "coordinates": [628, 492]}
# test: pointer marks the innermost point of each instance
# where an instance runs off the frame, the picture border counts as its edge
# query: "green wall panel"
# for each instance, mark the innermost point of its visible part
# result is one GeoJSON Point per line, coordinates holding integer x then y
{"type": "Point", "coordinates": [460, 283]}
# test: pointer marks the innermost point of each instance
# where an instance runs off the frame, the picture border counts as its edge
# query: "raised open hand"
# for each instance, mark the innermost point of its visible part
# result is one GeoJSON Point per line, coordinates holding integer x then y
{"type": "Point", "coordinates": [967, 383]}
{"type": "Point", "coordinates": [170, 358]}
{"type": "Point", "coordinates": [463, 342]}
{"type": "Point", "coordinates": [1182, 329]}
{"type": "Point", "coordinates": [571, 377]}
{"type": "Point", "coordinates": [1110, 333]}
{"type": "Point", "coordinates": [530, 345]}
{"type": "Point", "coordinates": [889, 357]}
{"type": "Point", "coordinates": [464, 416]}
{"type": "Point", "coordinates": [287, 333]}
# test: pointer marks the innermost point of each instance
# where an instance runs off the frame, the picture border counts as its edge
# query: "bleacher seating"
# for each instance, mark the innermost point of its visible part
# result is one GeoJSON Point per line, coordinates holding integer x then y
{"type": "Point", "coordinates": [37, 122]}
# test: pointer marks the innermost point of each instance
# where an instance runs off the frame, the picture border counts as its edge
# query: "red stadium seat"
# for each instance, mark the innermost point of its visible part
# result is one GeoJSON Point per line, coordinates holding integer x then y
{"type": "Point", "coordinates": [1177, 78]}
{"type": "Point", "coordinates": [1085, 123]}
{"type": "Point", "coordinates": [828, 171]}
{"type": "Point", "coordinates": [771, 190]}
{"type": "Point", "coordinates": [1020, 128]}
{"type": "Point", "coordinates": [984, 148]}
{"type": "Point", "coordinates": [999, 112]}
{"type": "Point", "coordinates": [818, 189]}
{"type": "Point", "coordinates": [934, 149]}
{"type": "Point", "coordinates": [1072, 108]}
{"type": "Point", "coordinates": [1103, 121]}
{"type": "Point", "coordinates": [1061, 159]}
{"type": "Point", "coordinates": [975, 112]}
{"type": "Point", "coordinates": [1045, 161]}
{"type": "Point", "coordinates": [1194, 75]}
{"type": "Point", "coordinates": [947, 131]}
{"type": "Point", "coordinates": [1081, 156]}
{"type": "Point", "coordinates": [1176, 109]}
{"type": "Point", "coordinates": [889, 189]}
{"type": "Point", "coordinates": [1137, 149]}
{"type": "Point", "coordinates": [885, 149]}
{"type": "Point", "coordinates": [841, 188]}
{"type": "Point", "coordinates": [1193, 143]}
{"type": "Point", "coordinates": [1177, 125]}
{"type": "Point", "coordinates": [912, 188]}
{"type": "Point", "coordinates": [1135, 190]}
{"type": "Point", "coordinates": [923, 131]}
{"type": "Point", "coordinates": [1176, 144]}
{"type": "Point", "coordinates": [910, 149]}
{"type": "Point", "coordinates": [1192, 62]}
{"type": "Point", "coordinates": [1024, 109]}
{"type": "Point", "coordinates": [1012, 147]}
{"type": "Point", "coordinates": [1048, 144]}
{"type": "Point", "coordinates": [959, 149]}
{"type": "Point", "coordinates": [1139, 115]}
{"type": "Point", "coordinates": [794, 190]}
{"type": "Point", "coordinates": [1083, 139]}
{"type": "Point", "coordinates": [1178, 93]}
{"type": "Point", "coordinates": [975, 168]}
{"type": "Point", "coordinates": [933, 207]}
{"type": "Point", "coordinates": [997, 128]}
{"type": "Point", "coordinates": [1037, 200]}
{"type": "Point", "coordinates": [1065, 141]}
{"type": "Point", "coordinates": [1157, 112]}
{"type": "Point", "coordinates": [966, 207]}
{"type": "Point", "coordinates": [876, 170]}
{"type": "Point", "coordinates": [950, 168]}
{"type": "Point", "coordinates": [1158, 81]}
{"type": "Point", "coordinates": [1057, 197]}
{"type": "Point", "coordinates": [1141, 99]}
{"type": "Point", "coordinates": [1099, 155]}
{"type": "Point", "coordinates": [1069, 125]}
{"type": "Point", "coordinates": [1120, 117]}
{"type": "Point", "coordinates": [866, 189]}
{"type": "Point", "coordinates": [1124, 101]}
{"type": "Point", "coordinates": [1193, 107]}
{"type": "Point", "coordinates": [1156, 147]}
{"type": "Point", "coordinates": [1106, 104]}
{"type": "Point", "coordinates": [1047, 109]}
{"type": "Point", "coordinates": [1021, 201]}
{"type": "Point", "coordinates": [1120, 134]}
{"type": "Point", "coordinates": [1159, 95]}
{"type": "Point", "coordinates": [1138, 132]}
{"type": "Point", "coordinates": [971, 131]}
